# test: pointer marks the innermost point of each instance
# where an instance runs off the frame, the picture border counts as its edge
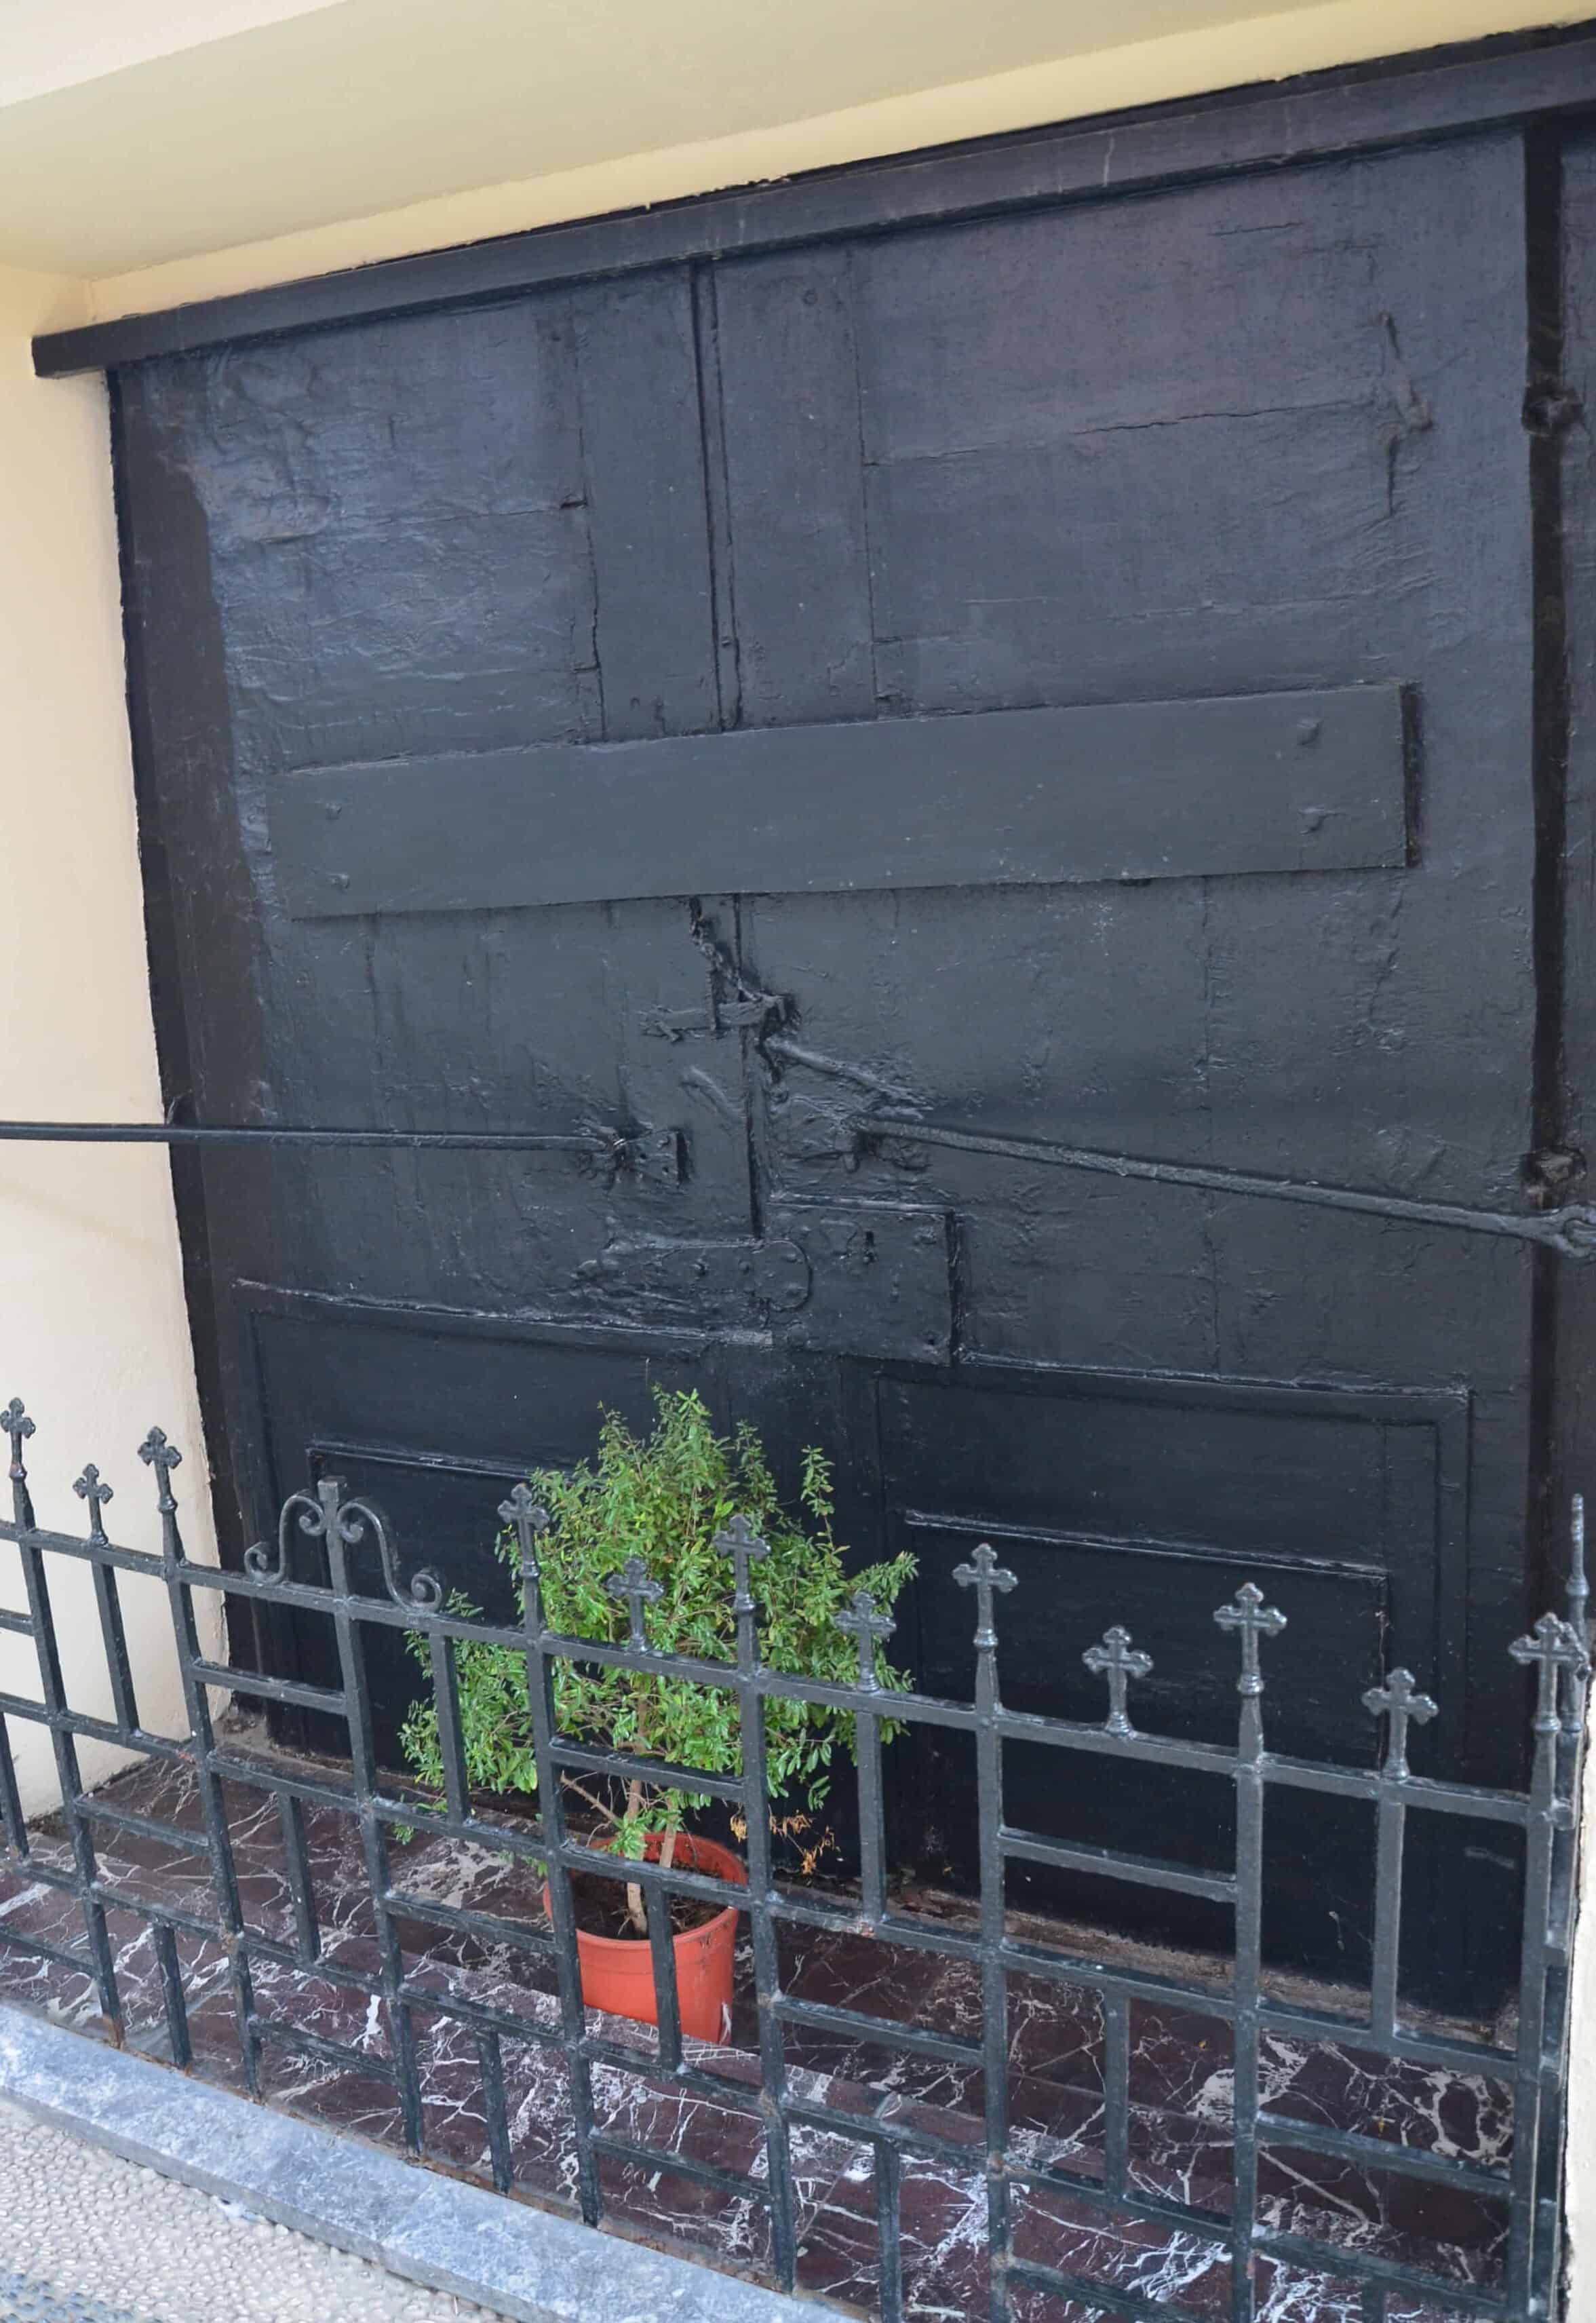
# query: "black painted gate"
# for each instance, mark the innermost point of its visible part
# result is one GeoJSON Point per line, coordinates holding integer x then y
{"type": "Point", "coordinates": [1065, 672]}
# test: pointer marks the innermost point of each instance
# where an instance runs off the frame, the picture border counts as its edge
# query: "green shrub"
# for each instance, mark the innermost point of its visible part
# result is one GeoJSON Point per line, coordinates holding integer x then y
{"type": "Point", "coordinates": [663, 1498]}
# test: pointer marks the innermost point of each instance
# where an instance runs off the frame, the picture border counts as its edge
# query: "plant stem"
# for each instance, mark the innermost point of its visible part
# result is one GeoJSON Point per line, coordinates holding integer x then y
{"type": "Point", "coordinates": [634, 1888]}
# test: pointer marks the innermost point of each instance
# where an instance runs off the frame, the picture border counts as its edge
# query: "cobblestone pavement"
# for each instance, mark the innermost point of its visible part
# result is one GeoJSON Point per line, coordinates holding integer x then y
{"type": "Point", "coordinates": [86, 2238]}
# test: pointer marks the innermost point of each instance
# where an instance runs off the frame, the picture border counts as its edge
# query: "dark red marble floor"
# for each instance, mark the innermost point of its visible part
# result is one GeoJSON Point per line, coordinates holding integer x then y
{"type": "Point", "coordinates": [1180, 2085]}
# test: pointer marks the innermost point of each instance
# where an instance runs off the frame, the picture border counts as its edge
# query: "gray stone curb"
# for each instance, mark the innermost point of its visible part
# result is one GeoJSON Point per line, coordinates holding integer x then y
{"type": "Point", "coordinates": [433, 2230]}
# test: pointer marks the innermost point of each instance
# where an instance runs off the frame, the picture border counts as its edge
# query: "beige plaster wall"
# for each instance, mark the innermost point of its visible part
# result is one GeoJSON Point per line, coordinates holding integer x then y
{"type": "Point", "coordinates": [1092, 72]}
{"type": "Point", "coordinates": [93, 1332]}
{"type": "Point", "coordinates": [92, 1325]}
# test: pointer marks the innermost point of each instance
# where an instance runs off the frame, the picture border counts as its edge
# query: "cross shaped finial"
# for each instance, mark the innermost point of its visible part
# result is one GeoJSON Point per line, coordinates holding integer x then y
{"type": "Point", "coordinates": [984, 1574]}
{"type": "Point", "coordinates": [156, 1453]}
{"type": "Point", "coordinates": [89, 1487]}
{"type": "Point", "coordinates": [1116, 1660]}
{"type": "Point", "coordinates": [1398, 1700]}
{"type": "Point", "coordinates": [634, 1583]}
{"type": "Point", "coordinates": [1553, 1645]}
{"type": "Point", "coordinates": [524, 1511]}
{"type": "Point", "coordinates": [867, 1626]}
{"type": "Point", "coordinates": [1247, 1613]}
{"type": "Point", "coordinates": [19, 1427]}
{"type": "Point", "coordinates": [737, 1540]}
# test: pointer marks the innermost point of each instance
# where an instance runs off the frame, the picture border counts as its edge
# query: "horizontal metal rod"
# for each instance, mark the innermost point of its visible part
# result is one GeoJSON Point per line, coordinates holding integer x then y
{"type": "Point", "coordinates": [1571, 1230]}
{"type": "Point", "coordinates": [169, 1133]}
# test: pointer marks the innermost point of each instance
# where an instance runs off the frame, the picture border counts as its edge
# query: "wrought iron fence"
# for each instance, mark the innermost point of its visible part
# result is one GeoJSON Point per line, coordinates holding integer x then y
{"type": "Point", "coordinates": [781, 2102]}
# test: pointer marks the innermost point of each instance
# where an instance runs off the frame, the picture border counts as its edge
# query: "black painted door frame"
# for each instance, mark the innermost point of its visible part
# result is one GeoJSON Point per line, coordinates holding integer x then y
{"type": "Point", "coordinates": [734, 1252]}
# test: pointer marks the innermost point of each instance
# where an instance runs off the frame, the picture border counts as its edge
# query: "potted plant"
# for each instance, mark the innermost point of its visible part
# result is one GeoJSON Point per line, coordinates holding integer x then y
{"type": "Point", "coordinates": [663, 1499]}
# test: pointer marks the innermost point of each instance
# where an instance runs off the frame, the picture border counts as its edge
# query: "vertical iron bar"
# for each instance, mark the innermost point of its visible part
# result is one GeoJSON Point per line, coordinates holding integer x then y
{"type": "Point", "coordinates": [889, 2230]}
{"type": "Point", "coordinates": [117, 1662]}
{"type": "Point", "coordinates": [1116, 2092]}
{"type": "Point", "coordinates": [872, 1814]}
{"type": "Point", "coordinates": [91, 1488]}
{"type": "Point", "coordinates": [162, 1457]}
{"type": "Point", "coordinates": [1555, 1651]}
{"type": "Point", "coordinates": [445, 1690]}
{"type": "Point", "coordinates": [744, 1547]}
{"type": "Point", "coordinates": [983, 1574]}
{"type": "Point", "coordinates": [52, 1689]}
{"type": "Point", "coordinates": [1252, 1619]}
{"type": "Point", "coordinates": [531, 1522]}
{"type": "Point", "coordinates": [662, 1946]}
{"type": "Point", "coordinates": [491, 2062]}
{"type": "Point", "coordinates": [1390, 1818]}
{"type": "Point", "coordinates": [295, 1856]}
{"type": "Point", "coordinates": [171, 1993]}
{"type": "Point", "coordinates": [357, 1711]}
{"type": "Point", "coordinates": [11, 1801]}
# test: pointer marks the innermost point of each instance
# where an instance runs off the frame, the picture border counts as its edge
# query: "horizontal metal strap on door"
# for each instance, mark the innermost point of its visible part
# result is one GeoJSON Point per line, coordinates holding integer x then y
{"type": "Point", "coordinates": [1571, 1230]}
{"type": "Point", "coordinates": [167, 1132]}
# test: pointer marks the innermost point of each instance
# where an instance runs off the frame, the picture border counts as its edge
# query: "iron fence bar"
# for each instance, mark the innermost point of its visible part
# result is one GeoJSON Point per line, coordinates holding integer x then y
{"type": "Point", "coordinates": [854, 2023]}
{"type": "Point", "coordinates": [445, 1694]}
{"type": "Point", "coordinates": [638, 2156]}
{"type": "Point", "coordinates": [304, 2043]}
{"type": "Point", "coordinates": [288, 1693]}
{"type": "Point", "coordinates": [986, 1577]}
{"type": "Point", "coordinates": [1382, 2153]}
{"type": "Point", "coordinates": [11, 1818]}
{"type": "Point", "coordinates": [172, 1994]}
{"type": "Point", "coordinates": [623, 1766]}
{"type": "Point", "coordinates": [657, 1905]}
{"type": "Point", "coordinates": [291, 1816]}
{"type": "Point", "coordinates": [138, 1826]}
{"type": "Point", "coordinates": [1364, 2268]}
{"type": "Point", "coordinates": [18, 1427]}
{"type": "Point", "coordinates": [745, 1548]}
{"type": "Point", "coordinates": [162, 1458]}
{"type": "Point", "coordinates": [1550, 1647]}
{"type": "Point", "coordinates": [720, 2089]}
{"type": "Point", "coordinates": [491, 2069]}
{"type": "Point", "coordinates": [531, 1521]}
{"type": "Point", "coordinates": [889, 2231]}
{"type": "Point", "coordinates": [1409, 2046]}
{"type": "Point", "coordinates": [488, 1927]}
{"type": "Point", "coordinates": [1116, 2093]}
{"type": "Point", "coordinates": [91, 1489]}
{"type": "Point", "coordinates": [1090, 2292]}
{"type": "Point", "coordinates": [1107, 1862]}
{"type": "Point", "coordinates": [1571, 1230]}
{"type": "Point", "coordinates": [479, 2015]}
{"type": "Point", "coordinates": [1251, 1619]}
{"type": "Point", "coordinates": [18, 1624]}
{"type": "Point", "coordinates": [785, 2098]}
{"type": "Point", "coordinates": [337, 1535]}
{"type": "Point", "coordinates": [872, 2129]}
{"type": "Point", "coordinates": [1127, 2204]}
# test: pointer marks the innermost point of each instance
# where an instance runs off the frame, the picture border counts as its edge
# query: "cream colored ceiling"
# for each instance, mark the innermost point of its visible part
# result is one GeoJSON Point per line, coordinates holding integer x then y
{"type": "Point", "coordinates": [163, 150]}
{"type": "Point", "coordinates": [116, 155]}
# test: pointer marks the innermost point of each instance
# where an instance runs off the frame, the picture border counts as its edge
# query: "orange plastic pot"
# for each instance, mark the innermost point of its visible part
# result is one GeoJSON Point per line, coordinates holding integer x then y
{"type": "Point", "coordinates": [618, 1971]}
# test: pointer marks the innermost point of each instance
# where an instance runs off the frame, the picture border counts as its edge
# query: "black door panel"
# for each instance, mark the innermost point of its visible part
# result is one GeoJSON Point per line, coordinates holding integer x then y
{"type": "Point", "coordinates": [596, 711]}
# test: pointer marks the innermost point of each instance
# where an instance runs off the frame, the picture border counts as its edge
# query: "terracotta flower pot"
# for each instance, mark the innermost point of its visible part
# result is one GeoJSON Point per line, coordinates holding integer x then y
{"type": "Point", "coordinates": [618, 1971]}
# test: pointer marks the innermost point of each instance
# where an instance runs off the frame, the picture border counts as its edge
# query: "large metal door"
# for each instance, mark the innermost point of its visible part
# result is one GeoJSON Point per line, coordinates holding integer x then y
{"type": "Point", "coordinates": [1064, 675]}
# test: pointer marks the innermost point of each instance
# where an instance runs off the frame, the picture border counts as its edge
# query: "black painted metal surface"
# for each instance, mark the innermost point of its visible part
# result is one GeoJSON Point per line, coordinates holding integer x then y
{"type": "Point", "coordinates": [330, 1546]}
{"type": "Point", "coordinates": [1155, 1180]}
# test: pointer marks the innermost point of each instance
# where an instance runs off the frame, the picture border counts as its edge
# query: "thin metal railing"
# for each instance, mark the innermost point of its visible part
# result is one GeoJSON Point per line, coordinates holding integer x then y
{"type": "Point", "coordinates": [329, 1521]}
